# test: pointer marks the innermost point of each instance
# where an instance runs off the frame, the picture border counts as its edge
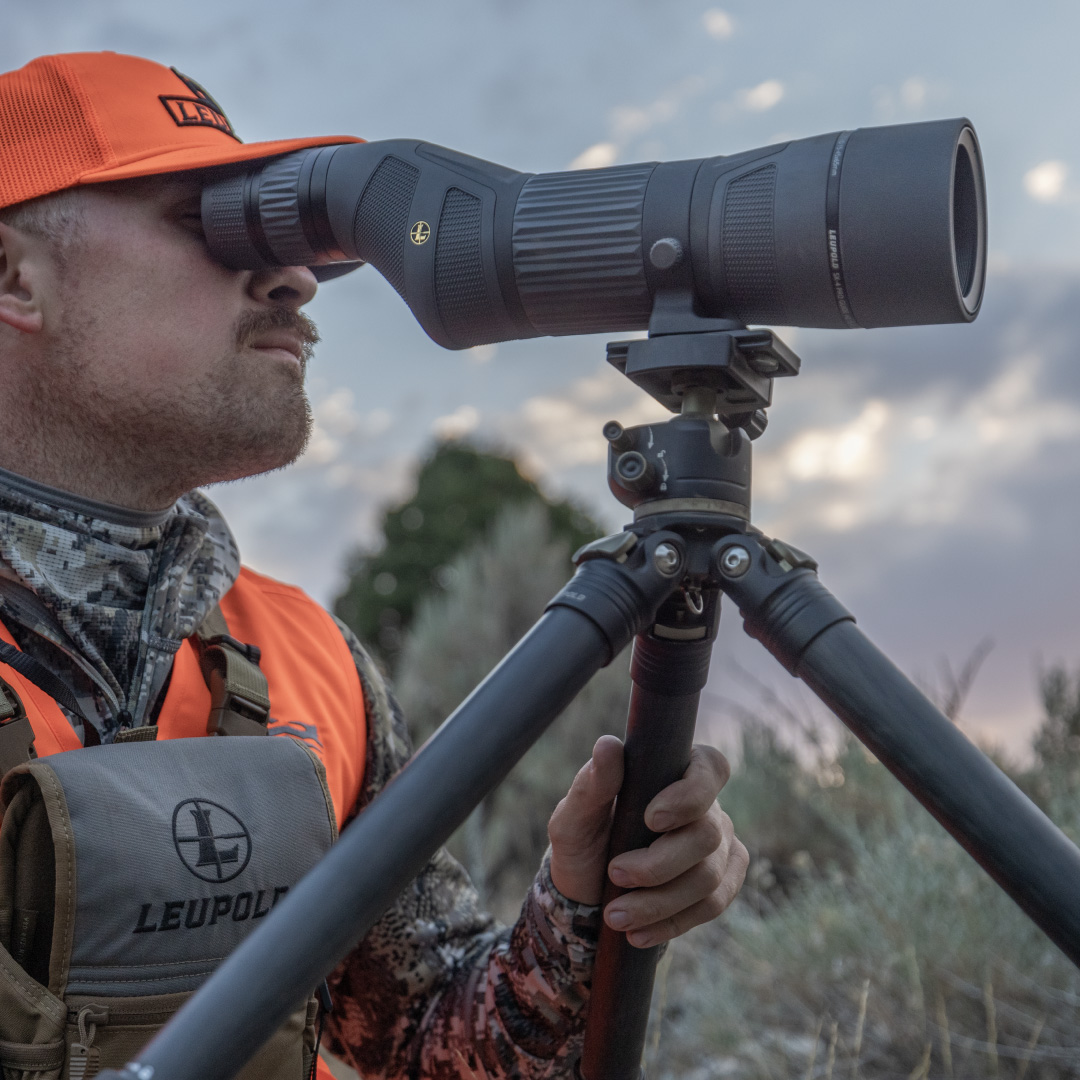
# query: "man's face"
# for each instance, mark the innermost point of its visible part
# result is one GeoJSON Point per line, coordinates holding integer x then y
{"type": "Point", "coordinates": [163, 358]}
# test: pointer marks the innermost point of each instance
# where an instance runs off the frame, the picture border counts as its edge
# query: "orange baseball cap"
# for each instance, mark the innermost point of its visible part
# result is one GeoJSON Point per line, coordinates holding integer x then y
{"type": "Point", "coordinates": [83, 118]}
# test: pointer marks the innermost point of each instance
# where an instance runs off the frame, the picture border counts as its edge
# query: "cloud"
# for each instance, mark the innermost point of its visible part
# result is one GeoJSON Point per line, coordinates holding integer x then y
{"type": "Point", "coordinates": [598, 156]}
{"type": "Point", "coordinates": [480, 355]}
{"type": "Point", "coordinates": [911, 98]}
{"type": "Point", "coordinates": [914, 92]}
{"type": "Point", "coordinates": [718, 24]}
{"type": "Point", "coordinates": [630, 122]}
{"type": "Point", "coordinates": [919, 460]}
{"type": "Point", "coordinates": [847, 453]}
{"type": "Point", "coordinates": [1046, 181]}
{"type": "Point", "coordinates": [762, 97]}
{"type": "Point", "coordinates": [335, 412]}
{"type": "Point", "coordinates": [561, 431]}
{"type": "Point", "coordinates": [458, 424]}
{"type": "Point", "coordinates": [338, 426]}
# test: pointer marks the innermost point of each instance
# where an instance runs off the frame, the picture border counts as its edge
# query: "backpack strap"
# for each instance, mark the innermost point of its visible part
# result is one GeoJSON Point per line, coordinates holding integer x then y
{"type": "Point", "coordinates": [16, 734]}
{"type": "Point", "coordinates": [239, 692]}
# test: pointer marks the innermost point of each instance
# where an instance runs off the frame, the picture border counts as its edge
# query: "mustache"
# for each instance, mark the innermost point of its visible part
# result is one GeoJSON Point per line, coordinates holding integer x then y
{"type": "Point", "coordinates": [252, 323]}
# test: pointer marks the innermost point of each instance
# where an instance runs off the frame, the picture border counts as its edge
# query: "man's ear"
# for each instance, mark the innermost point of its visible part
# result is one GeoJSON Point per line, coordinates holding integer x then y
{"type": "Point", "coordinates": [20, 305]}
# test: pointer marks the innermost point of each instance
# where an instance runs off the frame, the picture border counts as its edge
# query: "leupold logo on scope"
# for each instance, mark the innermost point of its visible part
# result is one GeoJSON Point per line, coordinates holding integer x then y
{"type": "Point", "coordinates": [420, 232]}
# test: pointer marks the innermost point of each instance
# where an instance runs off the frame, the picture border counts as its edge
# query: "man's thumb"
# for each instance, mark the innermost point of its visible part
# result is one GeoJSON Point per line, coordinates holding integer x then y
{"type": "Point", "coordinates": [587, 806]}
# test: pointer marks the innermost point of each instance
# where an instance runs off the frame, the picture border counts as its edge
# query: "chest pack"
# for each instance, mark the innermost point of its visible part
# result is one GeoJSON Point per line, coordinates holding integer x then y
{"type": "Point", "coordinates": [129, 871]}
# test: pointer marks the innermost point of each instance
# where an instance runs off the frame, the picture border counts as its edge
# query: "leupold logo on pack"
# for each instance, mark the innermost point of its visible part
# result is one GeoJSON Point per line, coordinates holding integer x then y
{"type": "Point", "coordinates": [212, 842]}
{"type": "Point", "coordinates": [200, 110]}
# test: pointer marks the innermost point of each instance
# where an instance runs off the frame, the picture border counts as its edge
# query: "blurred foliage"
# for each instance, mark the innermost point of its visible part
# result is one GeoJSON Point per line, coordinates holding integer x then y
{"type": "Point", "coordinates": [867, 943]}
{"type": "Point", "coordinates": [1057, 743]}
{"type": "Point", "coordinates": [498, 589]}
{"type": "Point", "coordinates": [460, 490]}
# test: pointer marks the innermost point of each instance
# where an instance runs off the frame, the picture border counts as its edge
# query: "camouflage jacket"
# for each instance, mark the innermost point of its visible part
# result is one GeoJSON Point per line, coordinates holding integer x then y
{"type": "Point", "coordinates": [104, 596]}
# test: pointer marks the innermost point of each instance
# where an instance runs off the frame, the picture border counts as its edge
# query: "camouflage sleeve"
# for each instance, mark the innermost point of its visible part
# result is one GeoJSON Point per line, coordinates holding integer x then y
{"type": "Point", "coordinates": [438, 989]}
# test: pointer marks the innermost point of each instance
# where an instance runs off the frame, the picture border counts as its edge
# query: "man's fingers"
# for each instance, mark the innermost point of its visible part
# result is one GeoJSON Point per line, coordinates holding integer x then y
{"type": "Point", "coordinates": [585, 811]}
{"type": "Point", "coordinates": [672, 854]}
{"type": "Point", "coordinates": [580, 826]}
{"type": "Point", "coordinates": [650, 916]}
{"type": "Point", "coordinates": [689, 798]}
{"type": "Point", "coordinates": [603, 772]}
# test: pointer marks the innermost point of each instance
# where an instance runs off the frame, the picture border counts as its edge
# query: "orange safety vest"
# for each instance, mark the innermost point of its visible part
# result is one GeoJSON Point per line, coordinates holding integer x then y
{"type": "Point", "coordinates": [315, 690]}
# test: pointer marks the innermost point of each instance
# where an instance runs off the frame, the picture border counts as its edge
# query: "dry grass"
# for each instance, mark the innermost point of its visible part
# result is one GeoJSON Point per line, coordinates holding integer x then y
{"type": "Point", "coordinates": [889, 955]}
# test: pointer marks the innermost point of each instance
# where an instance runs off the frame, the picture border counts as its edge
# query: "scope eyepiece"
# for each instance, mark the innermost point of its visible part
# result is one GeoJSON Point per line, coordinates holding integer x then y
{"type": "Point", "coordinates": [874, 227]}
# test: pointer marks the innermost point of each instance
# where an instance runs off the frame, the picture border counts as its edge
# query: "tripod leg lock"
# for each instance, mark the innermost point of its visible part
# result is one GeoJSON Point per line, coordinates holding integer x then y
{"type": "Point", "coordinates": [779, 596]}
{"type": "Point", "coordinates": [674, 669]}
{"type": "Point", "coordinates": [622, 598]}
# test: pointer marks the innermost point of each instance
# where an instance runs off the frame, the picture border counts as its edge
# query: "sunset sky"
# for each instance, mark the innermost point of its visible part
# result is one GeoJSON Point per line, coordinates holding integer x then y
{"type": "Point", "coordinates": [934, 472]}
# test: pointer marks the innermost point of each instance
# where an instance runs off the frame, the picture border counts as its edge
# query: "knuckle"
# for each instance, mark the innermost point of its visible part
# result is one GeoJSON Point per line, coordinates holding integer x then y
{"type": "Point", "coordinates": [713, 875]}
{"type": "Point", "coordinates": [715, 833]}
{"type": "Point", "coordinates": [672, 928]}
{"type": "Point", "coordinates": [650, 877]}
{"type": "Point", "coordinates": [714, 906]}
{"type": "Point", "coordinates": [558, 828]}
{"type": "Point", "coordinates": [741, 856]}
{"type": "Point", "coordinates": [647, 911]}
{"type": "Point", "coordinates": [716, 762]}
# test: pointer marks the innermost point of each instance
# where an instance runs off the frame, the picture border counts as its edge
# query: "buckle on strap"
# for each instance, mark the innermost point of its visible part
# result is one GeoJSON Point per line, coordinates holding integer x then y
{"type": "Point", "coordinates": [16, 734]}
{"type": "Point", "coordinates": [239, 692]}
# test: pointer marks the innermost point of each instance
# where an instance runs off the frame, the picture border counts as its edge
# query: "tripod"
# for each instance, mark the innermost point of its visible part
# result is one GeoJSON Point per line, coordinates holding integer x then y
{"type": "Point", "coordinates": [658, 583]}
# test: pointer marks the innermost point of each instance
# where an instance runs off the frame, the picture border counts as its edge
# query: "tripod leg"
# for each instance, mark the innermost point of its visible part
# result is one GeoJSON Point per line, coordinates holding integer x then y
{"type": "Point", "coordinates": [668, 677]}
{"type": "Point", "coordinates": [322, 917]}
{"type": "Point", "coordinates": [805, 628]}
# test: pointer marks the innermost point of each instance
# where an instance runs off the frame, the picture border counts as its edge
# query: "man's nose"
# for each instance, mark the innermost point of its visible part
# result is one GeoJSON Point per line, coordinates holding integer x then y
{"type": "Point", "coordinates": [286, 286]}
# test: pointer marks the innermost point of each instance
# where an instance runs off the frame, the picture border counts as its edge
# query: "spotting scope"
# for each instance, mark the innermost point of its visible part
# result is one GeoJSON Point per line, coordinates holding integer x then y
{"type": "Point", "coordinates": [882, 226]}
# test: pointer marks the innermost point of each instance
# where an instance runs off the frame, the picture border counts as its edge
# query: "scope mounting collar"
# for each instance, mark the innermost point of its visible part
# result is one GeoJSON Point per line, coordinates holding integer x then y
{"type": "Point", "coordinates": [687, 351]}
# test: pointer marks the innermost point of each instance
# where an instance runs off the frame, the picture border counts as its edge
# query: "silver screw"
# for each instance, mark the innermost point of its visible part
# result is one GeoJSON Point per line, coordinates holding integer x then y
{"type": "Point", "coordinates": [735, 561]}
{"type": "Point", "coordinates": [666, 559]}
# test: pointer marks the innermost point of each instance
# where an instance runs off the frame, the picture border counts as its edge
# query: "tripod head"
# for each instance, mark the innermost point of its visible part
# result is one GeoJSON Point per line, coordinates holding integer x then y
{"type": "Point", "coordinates": [718, 376]}
{"type": "Point", "coordinates": [691, 474]}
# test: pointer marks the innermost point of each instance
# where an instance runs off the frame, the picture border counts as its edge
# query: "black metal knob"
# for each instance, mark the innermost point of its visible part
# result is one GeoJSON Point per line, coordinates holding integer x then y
{"type": "Point", "coordinates": [633, 471]}
{"type": "Point", "coordinates": [617, 435]}
{"type": "Point", "coordinates": [666, 253]}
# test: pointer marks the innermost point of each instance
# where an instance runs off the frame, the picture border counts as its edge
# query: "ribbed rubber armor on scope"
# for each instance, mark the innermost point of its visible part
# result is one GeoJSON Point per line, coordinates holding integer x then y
{"type": "Point", "coordinates": [224, 219]}
{"type": "Point", "coordinates": [382, 219]}
{"type": "Point", "coordinates": [460, 292]}
{"type": "Point", "coordinates": [578, 257]}
{"type": "Point", "coordinates": [748, 247]}
{"type": "Point", "coordinates": [280, 211]}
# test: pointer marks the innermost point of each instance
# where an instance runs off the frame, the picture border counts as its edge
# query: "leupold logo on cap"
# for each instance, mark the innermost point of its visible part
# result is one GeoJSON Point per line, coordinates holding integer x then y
{"type": "Point", "coordinates": [201, 110]}
{"type": "Point", "coordinates": [211, 841]}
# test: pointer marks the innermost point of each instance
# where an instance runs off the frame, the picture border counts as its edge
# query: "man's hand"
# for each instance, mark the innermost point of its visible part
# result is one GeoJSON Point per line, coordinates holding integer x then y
{"type": "Point", "coordinates": [687, 876]}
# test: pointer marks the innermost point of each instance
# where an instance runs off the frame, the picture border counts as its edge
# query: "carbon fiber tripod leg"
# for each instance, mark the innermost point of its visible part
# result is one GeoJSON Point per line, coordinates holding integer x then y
{"type": "Point", "coordinates": [598, 613]}
{"type": "Point", "coordinates": [668, 678]}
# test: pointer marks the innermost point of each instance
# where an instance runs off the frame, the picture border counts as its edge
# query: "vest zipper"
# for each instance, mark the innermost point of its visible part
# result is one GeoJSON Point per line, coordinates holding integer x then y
{"type": "Point", "coordinates": [84, 1059]}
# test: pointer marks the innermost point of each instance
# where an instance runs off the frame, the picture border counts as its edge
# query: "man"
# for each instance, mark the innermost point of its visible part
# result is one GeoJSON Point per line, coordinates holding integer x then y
{"type": "Point", "coordinates": [134, 369]}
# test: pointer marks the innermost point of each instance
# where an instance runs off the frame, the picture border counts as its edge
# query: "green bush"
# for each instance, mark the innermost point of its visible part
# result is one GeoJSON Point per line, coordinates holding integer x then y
{"type": "Point", "coordinates": [460, 491]}
{"type": "Point", "coordinates": [497, 590]}
{"type": "Point", "coordinates": [866, 943]}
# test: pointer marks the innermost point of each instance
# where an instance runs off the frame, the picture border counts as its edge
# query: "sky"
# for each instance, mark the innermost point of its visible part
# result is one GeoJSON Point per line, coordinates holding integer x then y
{"type": "Point", "coordinates": [934, 472]}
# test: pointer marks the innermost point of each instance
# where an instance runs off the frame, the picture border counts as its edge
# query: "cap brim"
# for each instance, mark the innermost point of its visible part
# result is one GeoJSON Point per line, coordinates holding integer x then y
{"type": "Point", "coordinates": [187, 158]}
